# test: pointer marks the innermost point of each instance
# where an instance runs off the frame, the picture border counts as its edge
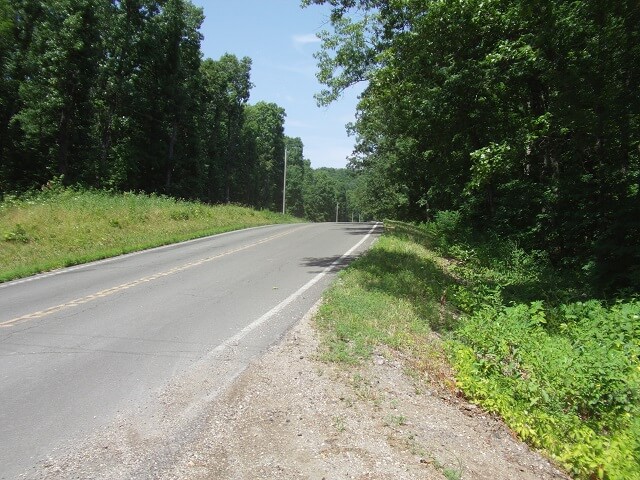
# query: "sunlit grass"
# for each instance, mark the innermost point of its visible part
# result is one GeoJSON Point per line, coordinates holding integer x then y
{"type": "Point", "coordinates": [388, 297]}
{"type": "Point", "coordinates": [57, 229]}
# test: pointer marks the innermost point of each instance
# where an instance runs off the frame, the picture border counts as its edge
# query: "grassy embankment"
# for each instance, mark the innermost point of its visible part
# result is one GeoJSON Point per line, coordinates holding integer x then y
{"type": "Point", "coordinates": [563, 373]}
{"type": "Point", "coordinates": [63, 227]}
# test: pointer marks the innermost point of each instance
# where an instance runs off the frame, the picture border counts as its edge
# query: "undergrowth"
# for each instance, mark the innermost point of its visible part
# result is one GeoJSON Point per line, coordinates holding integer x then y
{"type": "Point", "coordinates": [526, 341]}
{"type": "Point", "coordinates": [59, 227]}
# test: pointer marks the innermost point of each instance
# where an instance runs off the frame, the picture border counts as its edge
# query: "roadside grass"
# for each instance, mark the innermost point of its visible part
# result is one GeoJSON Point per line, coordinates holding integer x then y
{"type": "Point", "coordinates": [63, 227]}
{"type": "Point", "coordinates": [523, 340]}
{"type": "Point", "coordinates": [390, 296]}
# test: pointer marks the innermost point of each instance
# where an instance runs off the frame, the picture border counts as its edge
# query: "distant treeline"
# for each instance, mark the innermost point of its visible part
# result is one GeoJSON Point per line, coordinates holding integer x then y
{"type": "Point", "coordinates": [115, 95]}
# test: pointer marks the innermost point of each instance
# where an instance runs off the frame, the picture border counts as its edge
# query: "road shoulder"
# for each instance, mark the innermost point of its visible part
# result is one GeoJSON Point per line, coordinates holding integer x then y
{"type": "Point", "coordinates": [290, 416]}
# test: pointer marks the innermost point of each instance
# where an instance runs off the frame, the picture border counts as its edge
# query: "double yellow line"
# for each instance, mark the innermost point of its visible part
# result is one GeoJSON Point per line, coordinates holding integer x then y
{"type": "Point", "coordinates": [125, 286]}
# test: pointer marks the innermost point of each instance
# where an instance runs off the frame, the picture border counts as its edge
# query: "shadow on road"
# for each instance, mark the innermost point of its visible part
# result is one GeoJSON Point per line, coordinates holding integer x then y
{"type": "Point", "coordinates": [336, 263]}
{"type": "Point", "coordinates": [361, 230]}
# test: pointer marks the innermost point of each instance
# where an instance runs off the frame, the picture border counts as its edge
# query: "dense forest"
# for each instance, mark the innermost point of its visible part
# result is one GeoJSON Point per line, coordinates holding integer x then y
{"type": "Point", "coordinates": [502, 136]}
{"type": "Point", "coordinates": [116, 95]}
{"type": "Point", "coordinates": [522, 116]}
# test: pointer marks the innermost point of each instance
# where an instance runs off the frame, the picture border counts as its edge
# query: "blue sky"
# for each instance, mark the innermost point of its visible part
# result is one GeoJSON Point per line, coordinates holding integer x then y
{"type": "Point", "coordinates": [279, 37]}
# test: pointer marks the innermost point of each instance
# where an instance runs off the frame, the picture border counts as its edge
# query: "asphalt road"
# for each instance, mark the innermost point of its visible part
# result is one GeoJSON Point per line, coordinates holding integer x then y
{"type": "Point", "coordinates": [151, 336]}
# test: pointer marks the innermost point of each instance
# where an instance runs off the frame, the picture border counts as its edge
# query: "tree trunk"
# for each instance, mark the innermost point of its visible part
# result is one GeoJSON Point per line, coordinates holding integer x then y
{"type": "Point", "coordinates": [63, 145]}
{"type": "Point", "coordinates": [171, 160]}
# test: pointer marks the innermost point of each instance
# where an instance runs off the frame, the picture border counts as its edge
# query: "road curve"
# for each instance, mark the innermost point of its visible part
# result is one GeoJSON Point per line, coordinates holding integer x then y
{"type": "Point", "coordinates": [138, 344]}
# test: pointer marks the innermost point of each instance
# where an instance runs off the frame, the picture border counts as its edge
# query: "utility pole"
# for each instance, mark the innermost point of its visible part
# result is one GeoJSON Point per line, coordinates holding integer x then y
{"type": "Point", "coordinates": [337, 204]}
{"type": "Point", "coordinates": [284, 183]}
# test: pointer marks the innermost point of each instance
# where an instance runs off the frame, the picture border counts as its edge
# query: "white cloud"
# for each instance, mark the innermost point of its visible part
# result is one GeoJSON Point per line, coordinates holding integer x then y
{"type": "Point", "coordinates": [305, 39]}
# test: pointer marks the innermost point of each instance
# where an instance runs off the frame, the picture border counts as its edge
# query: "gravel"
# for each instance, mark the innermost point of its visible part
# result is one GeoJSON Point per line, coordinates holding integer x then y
{"type": "Point", "coordinates": [291, 416]}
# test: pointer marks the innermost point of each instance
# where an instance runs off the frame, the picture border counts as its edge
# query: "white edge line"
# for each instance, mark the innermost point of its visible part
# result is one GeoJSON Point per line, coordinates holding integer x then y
{"type": "Point", "coordinates": [284, 303]}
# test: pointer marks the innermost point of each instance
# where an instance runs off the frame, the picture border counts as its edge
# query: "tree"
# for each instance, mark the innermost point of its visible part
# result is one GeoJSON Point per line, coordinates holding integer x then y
{"type": "Point", "coordinates": [320, 197]}
{"type": "Point", "coordinates": [179, 86]}
{"type": "Point", "coordinates": [120, 99]}
{"type": "Point", "coordinates": [264, 149]}
{"type": "Point", "coordinates": [298, 169]}
{"type": "Point", "coordinates": [226, 91]}
{"type": "Point", "coordinates": [54, 69]}
{"type": "Point", "coordinates": [7, 86]}
{"type": "Point", "coordinates": [521, 115]}
{"type": "Point", "coordinates": [148, 98]}
{"type": "Point", "coordinates": [115, 95]}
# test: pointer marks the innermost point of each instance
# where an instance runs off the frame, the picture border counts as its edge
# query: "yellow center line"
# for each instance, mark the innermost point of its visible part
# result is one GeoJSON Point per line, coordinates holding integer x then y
{"type": "Point", "coordinates": [119, 288]}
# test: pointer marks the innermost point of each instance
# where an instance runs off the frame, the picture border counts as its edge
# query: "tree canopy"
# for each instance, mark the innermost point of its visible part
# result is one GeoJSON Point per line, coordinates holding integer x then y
{"type": "Point", "coordinates": [524, 116]}
{"type": "Point", "coordinates": [116, 95]}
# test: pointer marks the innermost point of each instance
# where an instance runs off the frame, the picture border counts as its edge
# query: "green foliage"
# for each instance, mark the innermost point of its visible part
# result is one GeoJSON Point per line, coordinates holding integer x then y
{"type": "Point", "coordinates": [59, 227]}
{"type": "Point", "coordinates": [17, 234]}
{"type": "Point", "coordinates": [264, 136]}
{"type": "Point", "coordinates": [6, 24]}
{"type": "Point", "coordinates": [320, 197]}
{"type": "Point", "coordinates": [227, 87]}
{"type": "Point", "coordinates": [5, 21]}
{"type": "Point", "coordinates": [572, 390]}
{"type": "Point", "coordinates": [522, 116]}
{"type": "Point", "coordinates": [298, 172]}
{"type": "Point", "coordinates": [326, 189]}
{"type": "Point", "coordinates": [115, 95]}
{"type": "Point", "coordinates": [447, 229]}
{"type": "Point", "coordinates": [378, 197]}
{"type": "Point", "coordinates": [563, 373]}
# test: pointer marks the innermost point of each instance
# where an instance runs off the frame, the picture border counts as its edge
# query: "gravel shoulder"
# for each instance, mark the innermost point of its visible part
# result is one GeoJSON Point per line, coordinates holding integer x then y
{"type": "Point", "coordinates": [291, 416]}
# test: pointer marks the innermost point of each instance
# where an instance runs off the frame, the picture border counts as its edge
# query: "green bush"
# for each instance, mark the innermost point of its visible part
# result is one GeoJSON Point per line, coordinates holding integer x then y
{"type": "Point", "coordinates": [17, 234]}
{"type": "Point", "coordinates": [563, 374]}
{"type": "Point", "coordinates": [447, 227]}
{"type": "Point", "coordinates": [565, 379]}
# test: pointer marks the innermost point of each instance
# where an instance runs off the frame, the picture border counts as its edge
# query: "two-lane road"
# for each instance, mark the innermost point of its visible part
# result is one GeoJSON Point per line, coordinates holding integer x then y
{"type": "Point", "coordinates": [84, 347]}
